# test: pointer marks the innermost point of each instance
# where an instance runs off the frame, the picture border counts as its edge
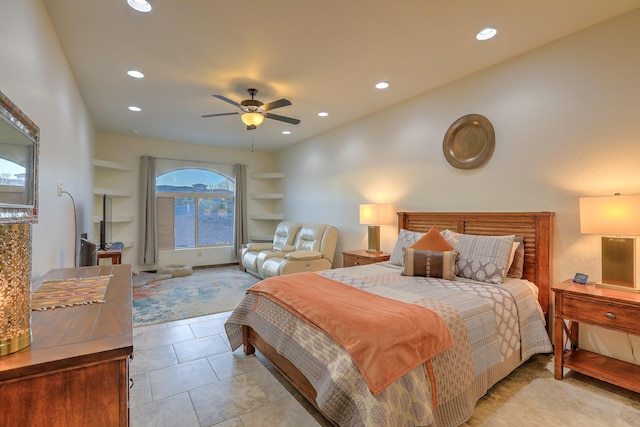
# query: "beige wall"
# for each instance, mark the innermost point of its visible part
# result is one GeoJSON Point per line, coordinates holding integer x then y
{"type": "Point", "coordinates": [35, 75]}
{"type": "Point", "coordinates": [567, 125]}
{"type": "Point", "coordinates": [128, 150]}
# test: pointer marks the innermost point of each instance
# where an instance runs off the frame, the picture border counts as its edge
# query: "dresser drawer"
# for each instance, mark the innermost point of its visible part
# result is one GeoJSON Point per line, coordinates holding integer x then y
{"type": "Point", "coordinates": [602, 312]}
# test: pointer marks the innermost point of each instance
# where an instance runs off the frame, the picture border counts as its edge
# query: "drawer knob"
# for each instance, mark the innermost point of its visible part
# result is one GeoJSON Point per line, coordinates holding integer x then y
{"type": "Point", "coordinates": [611, 315]}
{"type": "Point", "coordinates": [356, 263]}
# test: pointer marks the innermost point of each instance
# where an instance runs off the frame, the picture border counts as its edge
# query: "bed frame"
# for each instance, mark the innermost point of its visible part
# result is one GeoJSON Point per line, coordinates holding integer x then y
{"type": "Point", "coordinates": [535, 227]}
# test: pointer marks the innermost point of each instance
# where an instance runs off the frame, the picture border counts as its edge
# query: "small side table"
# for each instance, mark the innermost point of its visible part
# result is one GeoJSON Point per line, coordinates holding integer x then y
{"type": "Point", "coordinates": [362, 257]}
{"type": "Point", "coordinates": [616, 310]}
{"type": "Point", "coordinates": [115, 256]}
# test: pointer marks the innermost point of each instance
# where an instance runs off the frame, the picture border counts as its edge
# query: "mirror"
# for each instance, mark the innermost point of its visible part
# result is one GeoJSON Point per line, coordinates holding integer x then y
{"type": "Point", "coordinates": [19, 138]}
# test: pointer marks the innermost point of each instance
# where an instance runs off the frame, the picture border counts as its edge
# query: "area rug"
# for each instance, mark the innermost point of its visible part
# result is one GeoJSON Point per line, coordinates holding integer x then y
{"type": "Point", "coordinates": [206, 291]}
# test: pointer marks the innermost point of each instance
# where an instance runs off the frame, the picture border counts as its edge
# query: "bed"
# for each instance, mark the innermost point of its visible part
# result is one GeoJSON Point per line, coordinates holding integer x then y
{"type": "Point", "coordinates": [494, 328]}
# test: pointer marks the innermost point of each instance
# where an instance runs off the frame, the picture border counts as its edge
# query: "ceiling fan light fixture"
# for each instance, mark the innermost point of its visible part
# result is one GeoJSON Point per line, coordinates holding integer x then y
{"type": "Point", "coordinates": [252, 118]}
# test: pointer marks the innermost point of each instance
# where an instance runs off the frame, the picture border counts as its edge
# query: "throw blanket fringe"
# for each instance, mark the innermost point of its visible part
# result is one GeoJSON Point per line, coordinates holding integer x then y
{"type": "Point", "coordinates": [386, 338]}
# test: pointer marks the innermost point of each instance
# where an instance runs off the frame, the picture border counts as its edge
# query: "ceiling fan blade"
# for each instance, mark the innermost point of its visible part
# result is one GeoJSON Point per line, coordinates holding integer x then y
{"type": "Point", "coordinates": [282, 118]}
{"type": "Point", "coordinates": [225, 99]}
{"type": "Point", "coordinates": [276, 104]}
{"type": "Point", "coordinates": [219, 114]}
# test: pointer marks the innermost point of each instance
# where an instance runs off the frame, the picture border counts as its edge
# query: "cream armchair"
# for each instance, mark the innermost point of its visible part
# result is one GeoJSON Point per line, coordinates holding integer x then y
{"type": "Point", "coordinates": [254, 254]}
{"type": "Point", "coordinates": [312, 249]}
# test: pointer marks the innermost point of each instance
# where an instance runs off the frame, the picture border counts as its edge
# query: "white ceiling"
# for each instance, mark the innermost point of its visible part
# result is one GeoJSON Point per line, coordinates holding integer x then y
{"type": "Point", "coordinates": [322, 55]}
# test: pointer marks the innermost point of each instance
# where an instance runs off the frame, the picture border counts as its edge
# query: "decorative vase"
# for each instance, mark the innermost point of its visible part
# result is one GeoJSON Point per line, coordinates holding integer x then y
{"type": "Point", "coordinates": [15, 287]}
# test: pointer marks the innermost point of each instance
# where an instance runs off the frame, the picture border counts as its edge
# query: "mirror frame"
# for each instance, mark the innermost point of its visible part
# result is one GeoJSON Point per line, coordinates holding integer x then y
{"type": "Point", "coordinates": [11, 114]}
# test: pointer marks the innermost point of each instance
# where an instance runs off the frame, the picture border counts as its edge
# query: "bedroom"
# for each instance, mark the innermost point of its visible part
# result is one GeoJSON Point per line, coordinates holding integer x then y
{"type": "Point", "coordinates": [576, 134]}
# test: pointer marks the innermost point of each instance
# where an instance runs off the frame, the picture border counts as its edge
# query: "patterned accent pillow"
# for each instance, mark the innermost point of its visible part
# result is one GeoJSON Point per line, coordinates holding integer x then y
{"type": "Point", "coordinates": [406, 238]}
{"type": "Point", "coordinates": [481, 258]}
{"type": "Point", "coordinates": [517, 264]}
{"type": "Point", "coordinates": [429, 263]}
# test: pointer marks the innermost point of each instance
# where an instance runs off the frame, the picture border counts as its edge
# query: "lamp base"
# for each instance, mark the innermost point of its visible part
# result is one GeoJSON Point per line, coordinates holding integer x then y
{"type": "Point", "coordinates": [14, 344]}
{"type": "Point", "coordinates": [618, 263]}
{"type": "Point", "coordinates": [374, 239]}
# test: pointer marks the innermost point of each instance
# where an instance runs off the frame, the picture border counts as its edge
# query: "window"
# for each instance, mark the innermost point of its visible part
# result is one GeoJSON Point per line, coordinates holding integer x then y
{"type": "Point", "coordinates": [195, 209]}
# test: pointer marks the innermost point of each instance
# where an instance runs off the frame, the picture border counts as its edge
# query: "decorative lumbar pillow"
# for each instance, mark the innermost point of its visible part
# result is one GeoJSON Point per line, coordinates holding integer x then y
{"type": "Point", "coordinates": [439, 264]}
{"type": "Point", "coordinates": [432, 241]}
{"type": "Point", "coordinates": [517, 263]}
{"type": "Point", "coordinates": [406, 238]}
{"type": "Point", "coordinates": [481, 258]}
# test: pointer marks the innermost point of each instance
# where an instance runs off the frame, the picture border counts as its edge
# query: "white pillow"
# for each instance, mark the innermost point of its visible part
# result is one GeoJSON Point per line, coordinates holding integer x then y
{"type": "Point", "coordinates": [481, 258]}
{"type": "Point", "coordinates": [406, 238]}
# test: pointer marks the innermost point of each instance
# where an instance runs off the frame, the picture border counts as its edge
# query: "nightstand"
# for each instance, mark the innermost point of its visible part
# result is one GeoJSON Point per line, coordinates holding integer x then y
{"type": "Point", "coordinates": [362, 257]}
{"type": "Point", "coordinates": [591, 305]}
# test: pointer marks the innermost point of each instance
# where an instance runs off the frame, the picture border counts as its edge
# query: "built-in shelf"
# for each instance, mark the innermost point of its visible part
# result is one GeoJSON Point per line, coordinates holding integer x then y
{"type": "Point", "coordinates": [268, 175]}
{"type": "Point", "coordinates": [112, 192]}
{"type": "Point", "coordinates": [268, 196]}
{"type": "Point", "coordinates": [268, 217]}
{"type": "Point", "coordinates": [97, 219]}
{"type": "Point", "coordinates": [111, 165]}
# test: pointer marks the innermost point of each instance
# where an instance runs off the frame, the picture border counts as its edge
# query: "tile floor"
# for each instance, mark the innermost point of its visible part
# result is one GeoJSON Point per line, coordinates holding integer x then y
{"type": "Point", "coordinates": [185, 375]}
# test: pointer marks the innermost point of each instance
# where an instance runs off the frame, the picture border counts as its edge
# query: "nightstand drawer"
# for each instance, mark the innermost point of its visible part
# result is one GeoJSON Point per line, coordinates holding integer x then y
{"type": "Point", "coordinates": [353, 260]}
{"type": "Point", "coordinates": [603, 313]}
{"type": "Point", "coordinates": [362, 257]}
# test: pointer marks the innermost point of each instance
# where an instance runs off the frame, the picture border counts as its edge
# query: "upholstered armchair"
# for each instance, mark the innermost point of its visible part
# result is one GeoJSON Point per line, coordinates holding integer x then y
{"type": "Point", "coordinates": [295, 248]}
{"type": "Point", "coordinates": [254, 254]}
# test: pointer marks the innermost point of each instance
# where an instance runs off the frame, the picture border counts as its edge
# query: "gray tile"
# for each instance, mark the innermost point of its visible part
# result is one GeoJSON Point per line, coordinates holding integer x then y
{"type": "Point", "coordinates": [227, 365]}
{"type": "Point", "coordinates": [200, 348]}
{"type": "Point", "coordinates": [152, 359]}
{"type": "Point", "coordinates": [170, 412]}
{"type": "Point", "coordinates": [283, 413]}
{"type": "Point", "coordinates": [140, 393]}
{"type": "Point", "coordinates": [227, 399]}
{"type": "Point", "coordinates": [177, 379]}
{"type": "Point", "coordinates": [160, 337]}
{"type": "Point", "coordinates": [208, 327]}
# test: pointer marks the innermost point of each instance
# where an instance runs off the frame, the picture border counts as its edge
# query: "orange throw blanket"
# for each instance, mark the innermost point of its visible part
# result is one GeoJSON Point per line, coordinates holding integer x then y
{"type": "Point", "coordinates": [386, 338]}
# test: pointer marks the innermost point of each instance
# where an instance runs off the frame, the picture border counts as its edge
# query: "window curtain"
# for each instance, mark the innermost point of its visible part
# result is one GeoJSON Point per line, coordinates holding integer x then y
{"type": "Point", "coordinates": [148, 211]}
{"type": "Point", "coordinates": [240, 211]}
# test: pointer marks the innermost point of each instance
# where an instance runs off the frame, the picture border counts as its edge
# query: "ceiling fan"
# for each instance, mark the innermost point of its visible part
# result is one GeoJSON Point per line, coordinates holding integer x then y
{"type": "Point", "coordinates": [253, 112]}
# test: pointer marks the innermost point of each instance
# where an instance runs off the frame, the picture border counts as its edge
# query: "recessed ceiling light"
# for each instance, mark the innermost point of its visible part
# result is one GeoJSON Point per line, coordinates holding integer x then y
{"type": "Point", "coordinates": [135, 74]}
{"type": "Point", "coordinates": [486, 34]}
{"type": "Point", "coordinates": [134, 108]}
{"type": "Point", "coordinates": [382, 85]}
{"type": "Point", "coordinates": [323, 114]}
{"type": "Point", "coordinates": [286, 132]}
{"type": "Point", "coordinates": [140, 5]}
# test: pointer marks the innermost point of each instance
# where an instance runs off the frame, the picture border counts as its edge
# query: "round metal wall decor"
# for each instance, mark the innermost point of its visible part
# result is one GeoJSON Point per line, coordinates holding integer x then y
{"type": "Point", "coordinates": [469, 142]}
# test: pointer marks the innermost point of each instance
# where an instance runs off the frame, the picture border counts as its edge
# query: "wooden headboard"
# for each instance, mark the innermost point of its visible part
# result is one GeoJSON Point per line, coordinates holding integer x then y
{"type": "Point", "coordinates": [534, 227]}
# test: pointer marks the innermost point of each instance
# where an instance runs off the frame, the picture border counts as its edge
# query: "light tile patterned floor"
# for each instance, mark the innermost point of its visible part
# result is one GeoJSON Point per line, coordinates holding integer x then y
{"type": "Point", "coordinates": [185, 375]}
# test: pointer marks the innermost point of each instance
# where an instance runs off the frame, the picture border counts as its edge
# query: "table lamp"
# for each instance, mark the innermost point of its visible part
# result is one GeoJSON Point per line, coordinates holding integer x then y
{"type": "Point", "coordinates": [614, 217]}
{"type": "Point", "coordinates": [373, 215]}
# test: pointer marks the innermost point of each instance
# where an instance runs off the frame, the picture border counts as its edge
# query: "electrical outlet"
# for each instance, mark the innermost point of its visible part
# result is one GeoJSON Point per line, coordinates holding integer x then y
{"type": "Point", "coordinates": [59, 189]}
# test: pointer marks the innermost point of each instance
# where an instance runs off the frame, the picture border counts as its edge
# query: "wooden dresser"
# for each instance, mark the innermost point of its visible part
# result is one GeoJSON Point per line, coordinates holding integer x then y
{"type": "Point", "coordinates": [76, 371]}
{"type": "Point", "coordinates": [577, 304]}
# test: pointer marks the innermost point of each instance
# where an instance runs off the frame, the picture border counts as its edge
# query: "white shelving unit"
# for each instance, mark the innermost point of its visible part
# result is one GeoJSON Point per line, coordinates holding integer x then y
{"type": "Point", "coordinates": [105, 167]}
{"type": "Point", "coordinates": [267, 212]}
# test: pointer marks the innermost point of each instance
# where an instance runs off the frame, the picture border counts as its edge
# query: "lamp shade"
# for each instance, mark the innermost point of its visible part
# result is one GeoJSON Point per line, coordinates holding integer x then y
{"type": "Point", "coordinates": [610, 215]}
{"type": "Point", "coordinates": [374, 213]}
{"type": "Point", "coordinates": [252, 119]}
